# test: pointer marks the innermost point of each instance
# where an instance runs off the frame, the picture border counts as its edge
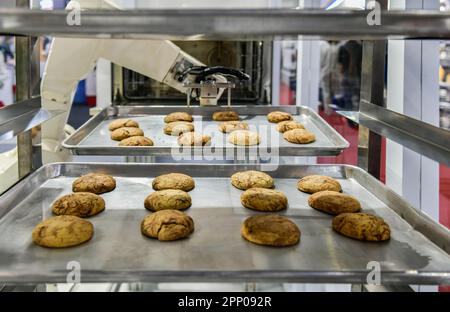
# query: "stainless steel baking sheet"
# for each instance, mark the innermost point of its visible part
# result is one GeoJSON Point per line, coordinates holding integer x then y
{"type": "Point", "coordinates": [93, 138]}
{"type": "Point", "coordinates": [215, 251]}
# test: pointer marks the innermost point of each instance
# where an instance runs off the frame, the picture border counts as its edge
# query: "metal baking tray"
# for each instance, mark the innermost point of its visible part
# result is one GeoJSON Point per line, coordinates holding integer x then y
{"type": "Point", "coordinates": [418, 252]}
{"type": "Point", "coordinates": [93, 138]}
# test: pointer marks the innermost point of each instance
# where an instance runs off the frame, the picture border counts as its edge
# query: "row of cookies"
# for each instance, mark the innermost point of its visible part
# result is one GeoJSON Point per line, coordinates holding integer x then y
{"type": "Point", "coordinates": [180, 124]}
{"type": "Point", "coordinates": [269, 230]}
{"type": "Point", "coordinates": [127, 131]}
{"type": "Point", "coordinates": [167, 222]}
{"type": "Point", "coordinates": [68, 227]}
{"type": "Point", "coordinates": [293, 132]}
{"type": "Point", "coordinates": [326, 196]}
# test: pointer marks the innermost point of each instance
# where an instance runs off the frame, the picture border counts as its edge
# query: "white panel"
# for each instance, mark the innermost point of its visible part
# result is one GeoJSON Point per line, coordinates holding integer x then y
{"type": "Point", "coordinates": [104, 88]}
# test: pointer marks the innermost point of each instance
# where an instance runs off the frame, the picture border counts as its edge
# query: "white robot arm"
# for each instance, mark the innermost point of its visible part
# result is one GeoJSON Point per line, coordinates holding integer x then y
{"type": "Point", "coordinates": [70, 60]}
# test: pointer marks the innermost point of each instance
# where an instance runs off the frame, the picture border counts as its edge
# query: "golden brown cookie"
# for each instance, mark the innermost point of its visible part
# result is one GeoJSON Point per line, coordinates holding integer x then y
{"type": "Point", "coordinates": [125, 133]}
{"type": "Point", "coordinates": [362, 226]}
{"type": "Point", "coordinates": [177, 181]}
{"type": "Point", "coordinates": [262, 199]}
{"type": "Point", "coordinates": [62, 231]}
{"type": "Point", "coordinates": [193, 139]}
{"type": "Point", "coordinates": [225, 116]}
{"type": "Point", "coordinates": [230, 126]}
{"type": "Point", "coordinates": [288, 125]}
{"type": "Point", "coordinates": [168, 199]}
{"type": "Point", "coordinates": [316, 183]}
{"type": "Point", "coordinates": [80, 204]}
{"type": "Point", "coordinates": [247, 179]}
{"type": "Point", "coordinates": [270, 230]}
{"type": "Point", "coordinates": [334, 202]}
{"type": "Point", "coordinates": [277, 117]}
{"type": "Point", "coordinates": [244, 138]}
{"type": "Point", "coordinates": [299, 136]}
{"type": "Point", "coordinates": [178, 116]}
{"type": "Point", "coordinates": [176, 128]}
{"type": "Point", "coordinates": [96, 183]}
{"type": "Point", "coordinates": [167, 225]}
{"type": "Point", "coordinates": [136, 141]}
{"type": "Point", "coordinates": [120, 123]}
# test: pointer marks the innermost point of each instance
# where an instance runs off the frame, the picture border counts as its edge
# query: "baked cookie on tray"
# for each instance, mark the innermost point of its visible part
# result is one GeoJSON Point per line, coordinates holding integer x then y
{"type": "Point", "coordinates": [244, 138]}
{"type": "Point", "coordinates": [136, 141]}
{"type": "Point", "coordinates": [168, 199]}
{"type": "Point", "coordinates": [177, 181]}
{"type": "Point", "coordinates": [167, 225]}
{"type": "Point", "coordinates": [262, 199]}
{"type": "Point", "coordinates": [247, 179]}
{"type": "Point", "coordinates": [120, 123]}
{"type": "Point", "coordinates": [62, 231]}
{"type": "Point", "coordinates": [277, 117]}
{"type": "Point", "coordinates": [362, 226]}
{"type": "Point", "coordinates": [193, 139]}
{"type": "Point", "coordinates": [299, 136]}
{"type": "Point", "coordinates": [316, 183]}
{"type": "Point", "coordinates": [289, 125]}
{"type": "Point", "coordinates": [96, 183]}
{"type": "Point", "coordinates": [334, 202]}
{"type": "Point", "coordinates": [225, 116]}
{"type": "Point", "coordinates": [80, 204]}
{"type": "Point", "coordinates": [230, 126]}
{"type": "Point", "coordinates": [178, 116]}
{"type": "Point", "coordinates": [125, 133]}
{"type": "Point", "coordinates": [270, 230]}
{"type": "Point", "coordinates": [177, 128]}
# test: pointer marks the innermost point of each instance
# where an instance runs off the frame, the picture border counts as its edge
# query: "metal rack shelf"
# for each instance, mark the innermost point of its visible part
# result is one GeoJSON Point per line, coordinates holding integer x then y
{"type": "Point", "coordinates": [22, 116]}
{"type": "Point", "coordinates": [230, 24]}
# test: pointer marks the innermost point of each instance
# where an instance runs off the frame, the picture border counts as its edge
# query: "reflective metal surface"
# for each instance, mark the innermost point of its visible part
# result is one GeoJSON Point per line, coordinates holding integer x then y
{"type": "Point", "coordinates": [93, 138]}
{"type": "Point", "coordinates": [216, 251]}
{"type": "Point", "coordinates": [23, 116]}
{"type": "Point", "coordinates": [350, 115]}
{"type": "Point", "coordinates": [428, 140]}
{"type": "Point", "coordinates": [232, 24]}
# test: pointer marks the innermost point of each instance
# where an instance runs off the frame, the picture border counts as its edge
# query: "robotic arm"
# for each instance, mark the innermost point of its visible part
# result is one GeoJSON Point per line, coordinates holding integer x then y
{"type": "Point", "coordinates": [70, 60]}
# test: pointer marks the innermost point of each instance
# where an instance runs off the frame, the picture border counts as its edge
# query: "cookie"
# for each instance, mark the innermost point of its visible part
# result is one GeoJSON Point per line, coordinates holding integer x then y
{"type": "Point", "coordinates": [225, 116]}
{"type": "Point", "coordinates": [80, 204]}
{"type": "Point", "coordinates": [316, 183]}
{"type": "Point", "coordinates": [362, 226]}
{"type": "Point", "coordinates": [244, 138]}
{"type": "Point", "coordinates": [270, 230]}
{"type": "Point", "coordinates": [167, 225]}
{"type": "Point", "coordinates": [62, 231]}
{"type": "Point", "coordinates": [177, 181]}
{"type": "Point", "coordinates": [334, 202]}
{"type": "Point", "coordinates": [299, 136]}
{"type": "Point", "coordinates": [178, 116]}
{"type": "Point", "coordinates": [136, 141]}
{"type": "Point", "coordinates": [120, 123]}
{"type": "Point", "coordinates": [262, 199]}
{"type": "Point", "coordinates": [230, 126]}
{"type": "Point", "coordinates": [96, 183]}
{"type": "Point", "coordinates": [247, 179]}
{"type": "Point", "coordinates": [168, 199]}
{"type": "Point", "coordinates": [277, 117]}
{"type": "Point", "coordinates": [125, 133]}
{"type": "Point", "coordinates": [193, 139]}
{"type": "Point", "coordinates": [288, 125]}
{"type": "Point", "coordinates": [176, 128]}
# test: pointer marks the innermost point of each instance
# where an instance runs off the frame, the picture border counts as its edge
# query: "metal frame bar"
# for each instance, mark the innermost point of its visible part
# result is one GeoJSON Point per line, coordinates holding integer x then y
{"type": "Point", "coordinates": [421, 137]}
{"type": "Point", "coordinates": [233, 24]}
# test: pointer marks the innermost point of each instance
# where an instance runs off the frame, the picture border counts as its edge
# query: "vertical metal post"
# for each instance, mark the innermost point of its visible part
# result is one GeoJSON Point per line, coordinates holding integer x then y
{"type": "Point", "coordinates": [372, 90]}
{"type": "Point", "coordinates": [27, 82]}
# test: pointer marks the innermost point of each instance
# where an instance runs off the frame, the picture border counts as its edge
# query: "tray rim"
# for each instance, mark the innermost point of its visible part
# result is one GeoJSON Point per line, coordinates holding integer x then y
{"type": "Point", "coordinates": [406, 212]}
{"type": "Point", "coordinates": [72, 142]}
